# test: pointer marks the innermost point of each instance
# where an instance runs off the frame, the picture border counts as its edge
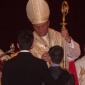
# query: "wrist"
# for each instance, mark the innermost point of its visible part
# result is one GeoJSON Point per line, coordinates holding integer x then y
{"type": "Point", "coordinates": [68, 39]}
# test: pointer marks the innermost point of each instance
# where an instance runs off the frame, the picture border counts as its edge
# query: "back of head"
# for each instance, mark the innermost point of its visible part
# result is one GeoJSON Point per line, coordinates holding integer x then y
{"type": "Point", "coordinates": [25, 40]}
{"type": "Point", "coordinates": [56, 53]}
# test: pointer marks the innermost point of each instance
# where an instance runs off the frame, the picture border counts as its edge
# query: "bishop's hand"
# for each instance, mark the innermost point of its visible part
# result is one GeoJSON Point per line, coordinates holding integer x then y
{"type": "Point", "coordinates": [65, 34]}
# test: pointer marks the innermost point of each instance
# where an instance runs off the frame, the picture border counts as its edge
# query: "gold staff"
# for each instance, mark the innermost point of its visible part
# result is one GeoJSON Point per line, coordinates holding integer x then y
{"type": "Point", "coordinates": [64, 11]}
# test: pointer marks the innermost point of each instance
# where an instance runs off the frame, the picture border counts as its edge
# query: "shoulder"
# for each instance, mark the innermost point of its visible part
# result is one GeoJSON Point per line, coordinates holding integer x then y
{"type": "Point", "coordinates": [67, 75]}
{"type": "Point", "coordinates": [38, 61]}
{"type": "Point", "coordinates": [68, 78]}
{"type": "Point", "coordinates": [80, 61]}
{"type": "Point", "coordinates": [54, 31]}
{"type": "Point", "coordinates": [80, 65]}
{"type": "Point", "coordinates": [9, 62]}
{"type": "Point", "coordinates": [40, 65]}
{"type": "Point", "coordinates": [8, 66]}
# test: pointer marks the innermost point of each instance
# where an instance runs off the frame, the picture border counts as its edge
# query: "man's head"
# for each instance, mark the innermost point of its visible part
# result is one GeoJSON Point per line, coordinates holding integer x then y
{"type": "Point", "coordinates": [38, 13]}
{"type": "Point", "coordinates": [56, 53]}
{"type": "Point", "coordinates": [25, 40]}
{"type": "Point", "coordinates": [42, 28]}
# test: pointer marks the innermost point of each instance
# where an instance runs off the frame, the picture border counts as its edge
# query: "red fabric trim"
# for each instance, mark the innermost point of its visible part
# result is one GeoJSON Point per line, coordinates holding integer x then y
{"type": "Point", "coordinates": [72, 70]}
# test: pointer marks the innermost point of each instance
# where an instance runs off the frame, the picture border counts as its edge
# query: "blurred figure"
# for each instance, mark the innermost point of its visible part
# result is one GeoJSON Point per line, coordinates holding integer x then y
{"type": "Point", "coordinates": [3, 57]}
{"type": "Point", "coordinates": [80, 67]}
{"type": "Point", "coordinates": [55, 56]}
{"type": "Point", "coordinates": [44, 37]}
{"type": "Point", "coordinates": [25, 69]}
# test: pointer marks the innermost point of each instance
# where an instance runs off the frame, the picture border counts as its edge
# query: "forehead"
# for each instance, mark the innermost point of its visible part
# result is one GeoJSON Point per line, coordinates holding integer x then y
{"type": "Point", "coordinates": [40, 24]}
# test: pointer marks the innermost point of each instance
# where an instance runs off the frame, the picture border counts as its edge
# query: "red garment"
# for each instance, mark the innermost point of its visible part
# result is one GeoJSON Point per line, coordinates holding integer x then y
{"type": "Point", "coordinates": [72, 70]}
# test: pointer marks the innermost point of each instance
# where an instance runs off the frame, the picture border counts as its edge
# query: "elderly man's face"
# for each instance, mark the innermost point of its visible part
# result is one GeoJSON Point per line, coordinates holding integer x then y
{"type": "Point", "coordinates": [42, 28]}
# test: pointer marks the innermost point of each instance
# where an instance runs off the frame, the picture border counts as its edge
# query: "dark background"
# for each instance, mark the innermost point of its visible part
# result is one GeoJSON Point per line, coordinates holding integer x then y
{"type": "Point", "coordinates": [13, 19]}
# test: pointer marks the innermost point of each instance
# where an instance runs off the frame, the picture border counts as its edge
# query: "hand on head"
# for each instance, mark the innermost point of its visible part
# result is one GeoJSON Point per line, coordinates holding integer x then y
{"type": "Point", "coordinates": [46, 57]}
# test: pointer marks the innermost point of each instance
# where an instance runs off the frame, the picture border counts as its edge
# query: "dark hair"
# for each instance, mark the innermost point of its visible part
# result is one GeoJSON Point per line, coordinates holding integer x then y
{"type": "Point", "coordinates": [25, 40]}
{"type": "Point", "coordinates": [56, 53]}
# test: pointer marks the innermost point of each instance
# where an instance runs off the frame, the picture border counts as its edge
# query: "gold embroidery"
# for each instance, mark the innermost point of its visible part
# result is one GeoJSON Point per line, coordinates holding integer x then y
{"type": "Point", "coordinates": [81, 74]}
{"type": "Point", "coordinates": [82, 71]}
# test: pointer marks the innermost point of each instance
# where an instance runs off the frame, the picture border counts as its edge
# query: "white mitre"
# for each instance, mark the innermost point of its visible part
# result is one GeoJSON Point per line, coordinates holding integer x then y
{"type": "Point", "coordinates": [37, 11]}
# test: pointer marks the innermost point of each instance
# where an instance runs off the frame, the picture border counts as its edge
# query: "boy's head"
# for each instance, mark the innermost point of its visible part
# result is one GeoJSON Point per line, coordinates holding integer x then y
{"type": "Point", "coordinates": [56, 53]}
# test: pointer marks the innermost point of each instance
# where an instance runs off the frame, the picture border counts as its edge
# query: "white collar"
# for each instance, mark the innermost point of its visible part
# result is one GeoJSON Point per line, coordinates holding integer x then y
{"type": "Point", "coordinates": [55, 65]}
{"type": "Point", "coordinates": [45, 36]}
{"type": "Point", "coordinates": [24, 51]}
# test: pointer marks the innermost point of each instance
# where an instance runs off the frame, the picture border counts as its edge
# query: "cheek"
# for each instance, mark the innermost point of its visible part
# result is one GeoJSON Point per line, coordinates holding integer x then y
{"type": "Point", "coordinates": [45, 29]}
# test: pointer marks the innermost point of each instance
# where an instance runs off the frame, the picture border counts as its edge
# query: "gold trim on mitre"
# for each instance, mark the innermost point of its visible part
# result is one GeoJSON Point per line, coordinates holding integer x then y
{"type": "Point", "coordinates": [37, 11]}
